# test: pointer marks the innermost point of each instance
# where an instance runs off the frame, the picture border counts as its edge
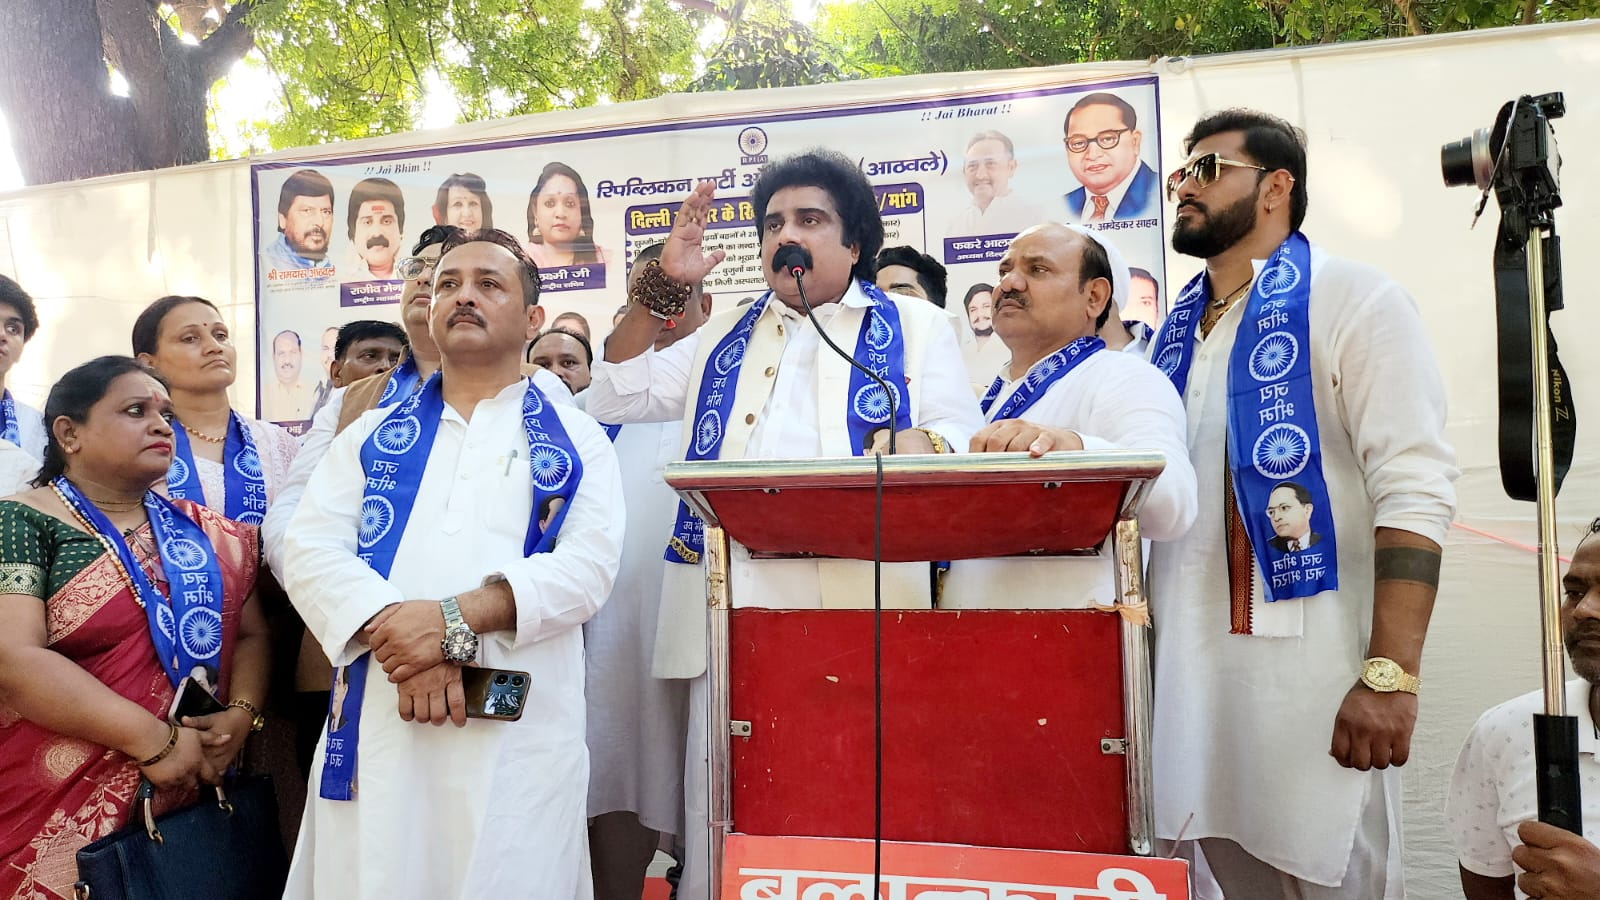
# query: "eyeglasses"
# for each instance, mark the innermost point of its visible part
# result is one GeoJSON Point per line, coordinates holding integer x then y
{"type": "Point", "coordinates": [1105, 140]}
{"type": "Point", "coordinates": [1204, 170]}
{"type": "Point", "coordinates": [411, 267]}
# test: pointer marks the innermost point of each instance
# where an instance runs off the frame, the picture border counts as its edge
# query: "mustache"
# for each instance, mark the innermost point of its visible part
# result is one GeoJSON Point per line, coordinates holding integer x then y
{"type": "Point", "coordinates": [1009, 296]}
{"type": "Point", "coordinates": [466, 313]}
{"type": "Point", "coordinates": [1195, 205]}
{"type": "Point", "coordinates": [377, 240]}
{"type": "Point", "coordinates": [1584, 631]}
{"type": "Point", "coordinates": [317, 231]}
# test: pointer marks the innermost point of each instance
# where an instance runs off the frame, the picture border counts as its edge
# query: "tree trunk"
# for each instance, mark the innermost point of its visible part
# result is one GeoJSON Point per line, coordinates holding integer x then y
{"type": "Point", "coordinates": [56, 93]}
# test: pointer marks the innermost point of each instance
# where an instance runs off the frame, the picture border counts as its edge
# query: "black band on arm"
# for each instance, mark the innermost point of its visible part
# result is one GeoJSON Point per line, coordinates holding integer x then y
{"type": "Point", "coordinates": [1415, 564]}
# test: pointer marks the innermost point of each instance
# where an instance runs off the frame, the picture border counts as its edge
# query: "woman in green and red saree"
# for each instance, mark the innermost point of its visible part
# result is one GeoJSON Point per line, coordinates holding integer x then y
{"type": "Point", "coordinates": [110, 594]}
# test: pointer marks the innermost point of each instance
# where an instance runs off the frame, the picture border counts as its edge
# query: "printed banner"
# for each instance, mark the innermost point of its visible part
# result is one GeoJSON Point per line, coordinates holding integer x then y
{"type": "Point", "coordinates": [798, 868]}
{"type": "Point", "coordinates": [955, 178]}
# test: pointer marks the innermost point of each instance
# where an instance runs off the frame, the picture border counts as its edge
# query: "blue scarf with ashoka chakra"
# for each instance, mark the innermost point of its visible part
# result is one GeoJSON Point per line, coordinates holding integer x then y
{"type": "Point", "coordinates": [187, 627]}
{"type": "Point", "coordinates": [880, 346]}
{"type": "Point", "coordinates": [1041, 375]}
{"type": "Point", "coordinates": [243, 481]}
{"type": "Point", "coordinates": [393, 458]}
{"type": "Point", "coordinates": [1274, 451]}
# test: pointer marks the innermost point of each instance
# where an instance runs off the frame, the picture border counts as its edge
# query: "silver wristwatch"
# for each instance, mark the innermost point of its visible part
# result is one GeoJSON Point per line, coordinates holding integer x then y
{"type": "Point", "coordinates": [460, 643]}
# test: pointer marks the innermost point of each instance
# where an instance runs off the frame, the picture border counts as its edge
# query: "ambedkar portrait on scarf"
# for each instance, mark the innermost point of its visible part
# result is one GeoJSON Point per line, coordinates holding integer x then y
{"type": "Point", "coordinates": [1290, 508]}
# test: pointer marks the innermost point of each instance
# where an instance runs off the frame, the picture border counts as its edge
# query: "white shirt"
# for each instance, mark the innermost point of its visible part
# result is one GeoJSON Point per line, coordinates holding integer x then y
{"type": "Point", "coordinates": [274, 445]}
{"type": "Point", "coordinates": [794, 424]}
{"type": "Point", "coordinates": [495, 809]}
{"type": "Point", "coordinates": [17, 468]}
{"type": "Point", "coordinates": [1113, 199]}
{"type": "Point", "coordinates": [1008, 214]}
{"type": "Point", "coordinates": [1113, 401]}
{"type": "Point", "coordinates": [1243, 723]}
{"type": "Point", "coordinates": [1493, 789]}
{"type": "Point", "coordinates": [31, 433]}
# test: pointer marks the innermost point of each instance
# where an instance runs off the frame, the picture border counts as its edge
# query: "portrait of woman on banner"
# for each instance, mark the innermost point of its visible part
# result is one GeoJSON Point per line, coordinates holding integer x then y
{"type": "Point", "coordinates": [110, 594]}
{"type": "Point", "coordinates": [560, 221]}
{"type": "Point", "coordinates": [463, 201]}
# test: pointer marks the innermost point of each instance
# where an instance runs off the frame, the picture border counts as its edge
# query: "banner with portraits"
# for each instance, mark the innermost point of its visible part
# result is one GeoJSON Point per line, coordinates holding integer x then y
{"type": "Point", "coordinates": [956, 178]}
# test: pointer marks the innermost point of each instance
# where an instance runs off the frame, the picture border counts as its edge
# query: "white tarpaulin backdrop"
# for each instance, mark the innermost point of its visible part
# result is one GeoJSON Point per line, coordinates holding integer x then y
{"type": "Point", "coordinates": [94, 253]}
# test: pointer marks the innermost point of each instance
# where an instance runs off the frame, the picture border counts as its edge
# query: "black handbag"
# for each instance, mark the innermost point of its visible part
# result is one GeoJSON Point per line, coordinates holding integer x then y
{"type": "Point", "coordinates": [229, 849]}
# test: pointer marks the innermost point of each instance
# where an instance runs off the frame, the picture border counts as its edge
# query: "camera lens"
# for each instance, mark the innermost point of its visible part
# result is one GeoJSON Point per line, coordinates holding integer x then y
{"type": "Point", "coordinates": [1467, 161]}
{"type": "Point", "coordinates": [516, 681]}
{"type": "Point", "coordinates": [500, 679]}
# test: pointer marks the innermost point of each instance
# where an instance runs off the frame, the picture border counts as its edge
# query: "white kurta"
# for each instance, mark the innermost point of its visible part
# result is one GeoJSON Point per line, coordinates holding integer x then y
{"type": "Point", "coordinates": [31, 433]}
{"type": "Point", "coordinates": [277, 449]}
{"type": "Point", "coordinates": [1243, 723]}
{"type": "Point", "coordinates": [637, 722]}
{"type": "Point", "coordinates": [1010, 214]}
{"type": "Point", "coordinates": [495, 809]}
{"type": "Point", "coordinates": [1113, 401]}
{"type": "Point", "coordinates": [790, 404]}
{"type": "Point", "coordinates": [17, 468]}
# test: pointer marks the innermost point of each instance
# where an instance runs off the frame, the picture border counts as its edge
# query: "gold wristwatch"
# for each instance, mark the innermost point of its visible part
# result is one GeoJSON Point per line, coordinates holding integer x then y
{"type": "Point", "coordinates": [1385, 676]}
{"type": "Point", "coordinates": [257, 720]}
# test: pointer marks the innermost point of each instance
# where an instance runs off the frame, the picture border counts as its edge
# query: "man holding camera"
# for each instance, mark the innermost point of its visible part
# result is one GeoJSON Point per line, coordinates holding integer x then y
{"type": "Point", "coordinates": [1286, 674]}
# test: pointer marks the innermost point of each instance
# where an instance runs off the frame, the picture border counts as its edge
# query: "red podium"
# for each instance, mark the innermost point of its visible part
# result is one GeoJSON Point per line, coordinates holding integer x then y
{"type": "Point", "coordinates": [1021, 729]}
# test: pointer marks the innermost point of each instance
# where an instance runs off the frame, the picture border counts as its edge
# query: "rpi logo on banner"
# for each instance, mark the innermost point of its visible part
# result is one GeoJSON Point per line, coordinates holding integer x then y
{"type": "Point", "coordinates": [753, 146]}
{"type": "Point", "coordinates": [800, 868]}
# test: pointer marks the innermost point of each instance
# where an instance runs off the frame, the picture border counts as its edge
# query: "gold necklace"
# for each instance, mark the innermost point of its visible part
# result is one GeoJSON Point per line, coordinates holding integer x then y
{"type": "Point", "coordinates": [1218, 303]}
{"type": "Point", "coordinates": [116, 558]}
{"type": "Point", "coordinates": [203, 436]}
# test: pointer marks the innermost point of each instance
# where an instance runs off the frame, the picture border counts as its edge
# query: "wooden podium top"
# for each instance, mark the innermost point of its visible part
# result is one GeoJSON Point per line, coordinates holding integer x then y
{"type": "Point", "coordinates": [935, 507]}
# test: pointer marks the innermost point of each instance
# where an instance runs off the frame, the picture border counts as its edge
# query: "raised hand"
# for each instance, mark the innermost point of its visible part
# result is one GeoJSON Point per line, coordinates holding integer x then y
{"type": "Point", "coordinates": [684, 258]}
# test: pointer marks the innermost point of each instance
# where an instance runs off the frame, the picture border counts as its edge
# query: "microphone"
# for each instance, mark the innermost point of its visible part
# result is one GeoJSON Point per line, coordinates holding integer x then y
{"type": "Point", "coordinates": [796, 260]}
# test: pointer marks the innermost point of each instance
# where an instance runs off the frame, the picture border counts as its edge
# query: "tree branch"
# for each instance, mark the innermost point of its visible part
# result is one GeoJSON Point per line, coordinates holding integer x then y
{"type": "Point", "coordinates": [982, 16]}
{"type": "Point", "coordinates": [1412, 24]}
{"type": "Point", "coordinates": [1529, 11]}
{"type": "Point", "coordinates": [229, 42]}
{"type": "Point", "coordinates": [706, 6]}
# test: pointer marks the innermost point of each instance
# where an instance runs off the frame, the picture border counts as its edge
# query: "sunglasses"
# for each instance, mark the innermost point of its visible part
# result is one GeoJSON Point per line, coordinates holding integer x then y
{"type": "Point", "coordinates": [412, 266]}
{"type": "Point", "coordinates": [1204, 170]}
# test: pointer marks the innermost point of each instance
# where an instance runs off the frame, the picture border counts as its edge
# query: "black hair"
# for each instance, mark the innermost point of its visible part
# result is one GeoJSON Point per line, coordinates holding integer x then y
{"type": "Point", "coordinates": [583, 247]}
{"type": "Point", "coordinates": [14, 296]}
{"type": "Point", "coordinates": [588, 349]}
{"type": "Point", "coordinates": [367, 329]}
{"type": "Point", "coordinates": [571, 314]}
{"type": "Point", "coordinates": [304, 183]}
{"type": "Point", "coordinates": [1102, 98]}
{"type": "Point", "coordinates": [469, 182]}
{"type": "Point", "coordinates": [73, 396]}
{"type": "Point", "coordinates": [1136, 272]}
{"type": "Point", "coordinates": [436, 234]}
{"type": "Point", "coordinates": [1096, 263]}
{"type": "Point", "coordinates": [147, 328]}
{"type": "Point", "coordinates": [1268, 141]}
{"type": "Point", "coordinates": [528, 270]}
{"type": "Point", "coordinates": [975, 290]}
{"type": "Point", "coordinates": [293, 334]}
{"type": "Point", "coordinates": [853, 198]}
{"type": "Point", "coordinates": [1300, 493]}
{"type": "Point", "coordinates": [375, 189]}
{"type": "Point", "coordinates": [930, 273]}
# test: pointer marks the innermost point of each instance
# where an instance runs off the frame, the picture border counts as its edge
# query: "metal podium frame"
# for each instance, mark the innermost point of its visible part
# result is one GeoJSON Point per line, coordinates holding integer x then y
{"type": "Point", "coordinates": [698, 483]}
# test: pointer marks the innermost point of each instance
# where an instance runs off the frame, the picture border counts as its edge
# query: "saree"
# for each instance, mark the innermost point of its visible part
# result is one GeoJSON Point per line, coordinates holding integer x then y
{"type": "Point", "coordinates": [59, 793]}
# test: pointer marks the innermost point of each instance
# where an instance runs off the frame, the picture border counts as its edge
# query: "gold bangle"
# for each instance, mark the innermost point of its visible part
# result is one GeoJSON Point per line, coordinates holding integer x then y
{"type": "Point", "coordinates": [940, 445]}
{"type": "Point", "coordinates": [257, 720]}
{"type": "Point", "coordinates": [172, 742]}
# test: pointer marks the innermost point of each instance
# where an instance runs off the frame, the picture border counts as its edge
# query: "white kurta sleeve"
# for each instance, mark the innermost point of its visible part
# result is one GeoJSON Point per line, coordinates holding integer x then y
{"type": "Point", "coordinates": [651, 387]}
{"type": "Point", "coordinates": [947, 405]}
{"type": "Point", "coordinates": [1392, 401]}
{"type": "Point", "coordinates": [1137, 408]}
{"type": "Point", "coordinates": [312, 448]}
{"type": "Point", "coordinates": [334, 591]}
{"type": "Point", "coordinates": [562, 589]}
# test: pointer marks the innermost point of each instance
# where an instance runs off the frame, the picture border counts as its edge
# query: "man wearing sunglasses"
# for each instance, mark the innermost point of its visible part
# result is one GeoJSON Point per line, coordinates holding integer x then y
{"type": "Point", "coordinates": [1286, 673]}
{"type": "Point", "coordinates": [1102, 137]}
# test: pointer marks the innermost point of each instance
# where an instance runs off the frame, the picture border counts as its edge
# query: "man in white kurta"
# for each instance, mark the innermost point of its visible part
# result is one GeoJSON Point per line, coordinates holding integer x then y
{"type": "Point", "coordinates": [494, 808]}
{"type": "Point", "coordinates": [638, 716]}
{"type": "Point", "coordinates": [1058, 285]}
{"type": "Point", "coordinates": [1263, 733]}
{"type": "Point", "coordinates": [791, 403]}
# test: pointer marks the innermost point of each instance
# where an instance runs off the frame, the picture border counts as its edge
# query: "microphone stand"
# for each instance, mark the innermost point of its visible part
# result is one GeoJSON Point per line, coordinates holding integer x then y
{"type": "Point", "coordinates": [877, 588]}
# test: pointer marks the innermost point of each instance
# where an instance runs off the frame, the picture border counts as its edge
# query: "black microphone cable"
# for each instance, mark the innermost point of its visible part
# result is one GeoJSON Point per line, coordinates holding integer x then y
{"type": "Point", "coordinates": [797, 261]}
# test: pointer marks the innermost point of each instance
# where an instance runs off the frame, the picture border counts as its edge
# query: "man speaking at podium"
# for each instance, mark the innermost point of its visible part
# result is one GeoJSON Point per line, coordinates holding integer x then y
{"type": "Point", "coordinates": [1063, 390]}
{"type": "Point", "coordinates": [757, 382]}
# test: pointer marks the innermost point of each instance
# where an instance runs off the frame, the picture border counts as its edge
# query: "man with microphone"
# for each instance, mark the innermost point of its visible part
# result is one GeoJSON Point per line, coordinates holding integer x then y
{"type": "Point", "coordinates": [760, 382]}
